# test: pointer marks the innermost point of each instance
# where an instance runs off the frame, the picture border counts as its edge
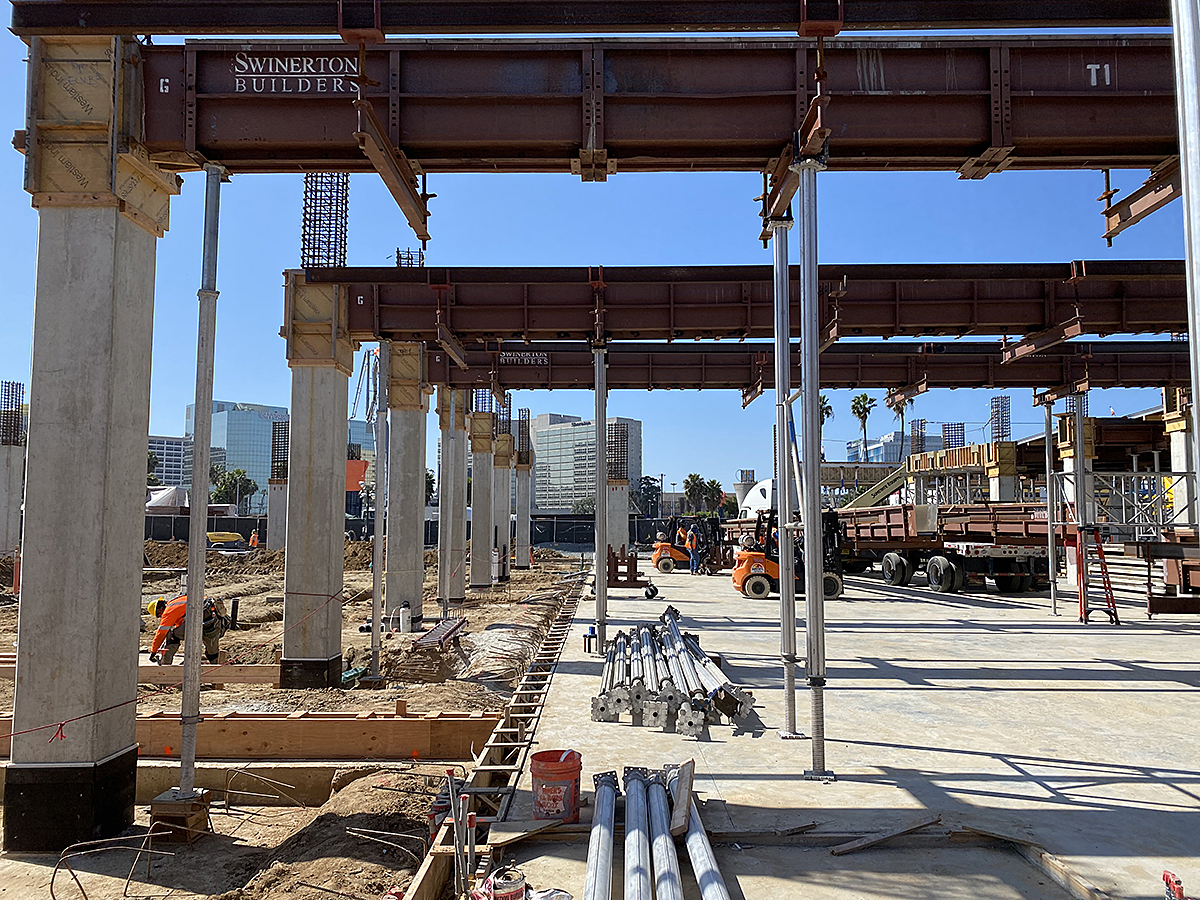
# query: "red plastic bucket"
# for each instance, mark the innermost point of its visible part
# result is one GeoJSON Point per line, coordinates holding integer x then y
{"type": "Point", "coordinates": [556, 784]}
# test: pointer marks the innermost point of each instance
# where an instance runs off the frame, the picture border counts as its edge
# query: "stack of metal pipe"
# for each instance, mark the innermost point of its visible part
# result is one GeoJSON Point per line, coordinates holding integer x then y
{"type": "Point", "coordinates": [651, 861]}
{"type": "Point", "coordinates": [662, 678]}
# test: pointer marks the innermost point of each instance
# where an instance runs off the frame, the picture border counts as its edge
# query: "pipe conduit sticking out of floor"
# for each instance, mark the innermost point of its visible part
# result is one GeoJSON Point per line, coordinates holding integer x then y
{"type": "Point", "coordinates": [704, 862]}
{"type": "Point", "coordinates": [637, 837]}
{"type": "Point", "coordinates": [598, 884]}
{"type": "Point", "coordinates": [667, 885]}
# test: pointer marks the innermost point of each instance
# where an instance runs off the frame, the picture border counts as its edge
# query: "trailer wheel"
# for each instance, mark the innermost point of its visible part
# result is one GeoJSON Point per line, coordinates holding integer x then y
{"type": "Point", "coordinates": [666, 564]}
{"type": "Point", "coordinates": [941, 574]}
{"type": "Point", "coordinates": [757, 587]}
{"type": "Point", "coordinates": [1007, 584]}
{"type": "Point", "coordinates": [895, 569]}
{"type": "Point", "coordinates": [831, 585]}
{"type": "Point", "coordinates": [960, 575]}
{"type": "Point", "coordinates": [856, 567]}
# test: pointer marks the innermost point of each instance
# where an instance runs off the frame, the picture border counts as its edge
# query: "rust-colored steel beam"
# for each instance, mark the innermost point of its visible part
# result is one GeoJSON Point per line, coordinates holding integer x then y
{"type": "Point", "coordinates": [678, 303]}
{"type": "Point", "coordinates": [598, 107]}
{"type": "Point", "coordinates": [31, 17]}
{"type": "Point", "coordinates": [557, 366]}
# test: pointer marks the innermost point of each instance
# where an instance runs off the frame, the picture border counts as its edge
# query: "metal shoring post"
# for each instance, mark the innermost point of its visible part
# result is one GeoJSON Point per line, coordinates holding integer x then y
{"type": "Point", "coordinates": [381, 480]}
{"type": "Point", "coordinates": [810, 498]}
{"type": "Point", "coordinates": [783, 479]}
{"type": "Point", "coordinates": [193, 627]}
{"type": "Point", "coordinates": [601, 495]}
{"type": "Point", "coordinates": [1050, 509]}
{"type": "Point", "coordinates": [1081, 509]}
{"type": "Point", "coordinates": [1185, 17]}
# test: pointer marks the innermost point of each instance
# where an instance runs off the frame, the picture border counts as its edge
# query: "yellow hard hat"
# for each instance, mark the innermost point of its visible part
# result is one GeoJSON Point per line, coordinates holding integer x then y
{"type": "Point", "coordinates": [156, 607]}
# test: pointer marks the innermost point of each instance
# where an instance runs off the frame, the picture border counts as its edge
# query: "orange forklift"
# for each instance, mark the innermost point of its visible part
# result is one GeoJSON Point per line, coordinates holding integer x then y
{"type": "Point", "coordinates": [670, 552]}
{"type": "Point", "coordinates": [756, 571]}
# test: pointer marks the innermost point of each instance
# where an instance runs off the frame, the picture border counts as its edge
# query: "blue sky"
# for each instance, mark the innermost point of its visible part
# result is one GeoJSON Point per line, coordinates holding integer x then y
{"type": "Point", "coordinates": [529, 220]}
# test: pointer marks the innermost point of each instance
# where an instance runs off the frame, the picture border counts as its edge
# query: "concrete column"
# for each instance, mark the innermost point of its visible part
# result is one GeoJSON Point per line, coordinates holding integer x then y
{"type": "Point", "coordinates": [521, 545]}
{"type": "Point", "coordinates": [617, 514]}
{"type": "Point", "coordinates": [12, 493]}
{"type": "Point", "coordinates": [1181, 461]}
{"type": "Point", "coordinates": [406, 511]}
{"type": "Point", "coordinates": [502, 502]}
{"type": "Point", "coordinates": [1002, 488]}
{"type": "Point", "coordinates": [483, 450]}
{"type": "Point", "coordinates": [277, 494]}
{"type": "Point", "coordinates": [81, 572]}
{"type": "Point", "coordinates": [316, 512]}
{"type": "Point", "coordinates": [446, 509]}
{"type": "Point", "coordinates": [458, 534]}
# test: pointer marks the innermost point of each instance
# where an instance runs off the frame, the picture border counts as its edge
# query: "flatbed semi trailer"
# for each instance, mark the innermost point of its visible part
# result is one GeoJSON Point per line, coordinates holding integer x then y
{"type": "Point", "coordinates": [955, 546]}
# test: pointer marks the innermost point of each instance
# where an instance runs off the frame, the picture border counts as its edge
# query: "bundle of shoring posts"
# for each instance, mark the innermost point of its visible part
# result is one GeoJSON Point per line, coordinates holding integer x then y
{"type": "Point", "coordinates": [650, 854]}
{"type": "Point", "coordinates": [662, 678]}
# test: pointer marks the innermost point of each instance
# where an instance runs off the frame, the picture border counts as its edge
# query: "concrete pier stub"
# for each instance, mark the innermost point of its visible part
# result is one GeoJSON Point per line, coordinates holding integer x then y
{"type": "Point", "coordinates": [409, 410]}
{"type": "Point", "coordinates": [521, 545]}
{"type": "Point", "coordinates": [1076, 493]}
{"type": "Point", "coordinates": [277, 495]}
{"type": "Point", "coordinates": [458, 500]}
{"type": "Point", "coordinates": [12, 492]}
{"type": "Point", "coordinates": [617, 514]}
{"type": "Point", "coordinates": [321, 357]}
{"type": "Point", "coordinates": [1182, 499]}
{"type": "Point", "coordinates": [446, 509]}
{"type": "Point", "coordinates": [89, 418]}
{"type": "Point", "coordinates": [483, 448]}
{"type": "Point", "coordinates": [502, 502]}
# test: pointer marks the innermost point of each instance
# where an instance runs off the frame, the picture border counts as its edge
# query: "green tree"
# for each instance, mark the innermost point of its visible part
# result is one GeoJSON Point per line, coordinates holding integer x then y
{"type": "Point", "coordinates": [714, 495]}
{"type": "Point", "coordinates": [649, 495]}
{"type": "Point", "coordinates": [584, 506]}
{"type": "Point", "coordinates": [694, 488]}
{"type": "Point", "coordinates": [151, 465]}
{"type": "Point", "coordinates": [860, 408]}
{"type": "Point", "coordinates": [730, 507]}
{"type": "Point", "coordinates": [429, 484]}
{"type": "Point", "coordinates": [232, 487]}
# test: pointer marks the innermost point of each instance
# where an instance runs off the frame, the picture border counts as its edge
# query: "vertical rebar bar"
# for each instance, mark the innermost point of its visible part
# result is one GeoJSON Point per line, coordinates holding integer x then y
{"type": "Point", "coordinates": [783, 382]}
{"type": "Point", "coordinates": [198, 517]}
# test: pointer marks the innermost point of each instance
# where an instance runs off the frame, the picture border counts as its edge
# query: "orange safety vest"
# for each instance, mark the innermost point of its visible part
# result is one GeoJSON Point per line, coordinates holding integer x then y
{"type": "Point", "coordinates": [692, 543]}
{"type": "Point", "coordinates": [254, 539]}
{"type": "Point", "coordinates": [681, 535]}
{"type": "Point", "coordinates": [171, 617]}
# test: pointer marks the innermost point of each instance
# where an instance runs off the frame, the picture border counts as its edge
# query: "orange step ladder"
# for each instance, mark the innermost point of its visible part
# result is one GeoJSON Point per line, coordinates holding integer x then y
{"type": "Point", "coordinates": [1110, 602]}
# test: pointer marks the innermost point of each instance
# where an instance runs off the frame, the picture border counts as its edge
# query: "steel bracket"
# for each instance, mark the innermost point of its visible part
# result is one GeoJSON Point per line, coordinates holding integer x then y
{"type": "Point", "coordinates": [393, 166]}
{"type": "Point", "coordinates": [826, 23]}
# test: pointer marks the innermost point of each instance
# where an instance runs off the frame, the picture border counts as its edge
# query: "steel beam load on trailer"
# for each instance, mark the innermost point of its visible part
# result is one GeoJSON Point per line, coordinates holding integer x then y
{"type": "Point", "coordinates": [686, 302]}
{"type": "Point", "coordinates": [748, 367]}
{"type": "Point", "coordinates": [32, 17]}
{"type": "Point", "coordinates": [600, 107]}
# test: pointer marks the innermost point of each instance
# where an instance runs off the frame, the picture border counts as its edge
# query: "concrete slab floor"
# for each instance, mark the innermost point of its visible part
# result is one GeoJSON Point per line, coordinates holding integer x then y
{"type": "Point", "coordinates": [981, 707]}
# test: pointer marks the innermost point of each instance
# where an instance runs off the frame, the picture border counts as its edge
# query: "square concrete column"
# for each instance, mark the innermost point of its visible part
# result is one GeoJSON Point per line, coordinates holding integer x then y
{"type": "Point", "coordinates": [12, 493]}
{"type": "Point", "coordinates": [502, 502]}
{"type": "Point", "coordinates": [521, 544]}
{"type": "Point", "coordinates": [458, 500]}
{"type": "Point", "coordinates": [409, 410]}
{"type": "Point", "coordinates": [617, 514]}
{"type": "Point", "coordinates": [483, 450]}
{"type": "Point", "coordinates": [321, 357]}
{"type": "Point", "coordinates": [277, 493]}
{"type": "Point", "coordinates": [446, 509]}
{"type": "Point", "coordinates": [1002, 488]}
{"type": "Point", "coordinates": [81, 572]}
{"type": "Point", "coordinates": [1181, 461]}
{"type": "Point", "coordinates": [89, 420]}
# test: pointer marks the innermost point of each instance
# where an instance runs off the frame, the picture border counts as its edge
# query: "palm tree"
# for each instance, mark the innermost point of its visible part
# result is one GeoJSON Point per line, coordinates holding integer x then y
{"type": "Point", "coordinates": [714, 493]}
{"type": "Point", "coordinates": [693, 490]}
{"type": "Point", "coordinates": [860, 408]}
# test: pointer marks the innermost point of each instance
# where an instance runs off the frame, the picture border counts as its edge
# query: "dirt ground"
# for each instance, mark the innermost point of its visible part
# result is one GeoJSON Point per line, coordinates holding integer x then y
{"type": "Point", "coordinates": [504, 626]}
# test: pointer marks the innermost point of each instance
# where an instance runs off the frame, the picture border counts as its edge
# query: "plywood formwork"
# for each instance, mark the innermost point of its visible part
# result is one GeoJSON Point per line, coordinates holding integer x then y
{"type": "Point", "coordinates": [306, 735]}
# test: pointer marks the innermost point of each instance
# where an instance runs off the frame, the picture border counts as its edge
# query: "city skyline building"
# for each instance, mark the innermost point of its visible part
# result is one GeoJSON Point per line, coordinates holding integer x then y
{"type": "Point", "coordinates": [887, 448]}
{"type": "Point", "coordinates": [241, 439]}
{"type": "Point", "coordinates": [169, 451]}
{"type": "Point", "coordinates": [564, 459]}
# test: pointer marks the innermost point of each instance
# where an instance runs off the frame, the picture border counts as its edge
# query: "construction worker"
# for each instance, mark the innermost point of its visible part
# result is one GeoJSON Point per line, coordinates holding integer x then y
{"type": "Point", "coordinates": [693, 548]}
{"type": "Point", "coordinates": [254, 539]}
{"type": "Point", "coordinates": [170, 632]}
{"type": "Point", "coordinates": [681, 535]}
